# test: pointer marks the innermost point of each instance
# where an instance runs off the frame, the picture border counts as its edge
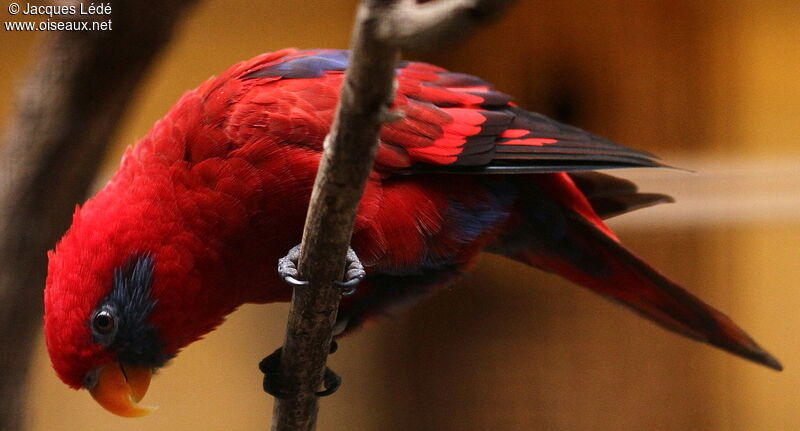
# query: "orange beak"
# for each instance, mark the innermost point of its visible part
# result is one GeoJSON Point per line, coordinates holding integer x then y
{"type": "Point", "coordinates": [119, 388]}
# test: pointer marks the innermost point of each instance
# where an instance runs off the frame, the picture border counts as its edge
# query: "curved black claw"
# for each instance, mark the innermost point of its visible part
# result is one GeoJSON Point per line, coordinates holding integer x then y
{"type": "Point", "coordinates": [273, 378]}
{"type": "Point", "coordinates": [287, 267]}
{"type": "Point", "coordinates": [353, 275]}
{"type": "Point", "coordinates": [332, 382]}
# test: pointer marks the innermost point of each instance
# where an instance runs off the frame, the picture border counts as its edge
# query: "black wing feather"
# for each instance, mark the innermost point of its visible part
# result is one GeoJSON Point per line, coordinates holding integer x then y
{"type": "Point", "coordinates": [490, 151]}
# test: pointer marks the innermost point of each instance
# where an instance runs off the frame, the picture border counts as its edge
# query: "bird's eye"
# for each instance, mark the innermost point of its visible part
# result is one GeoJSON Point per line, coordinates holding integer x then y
{"type": "Point", "coordinates": [103, 322]}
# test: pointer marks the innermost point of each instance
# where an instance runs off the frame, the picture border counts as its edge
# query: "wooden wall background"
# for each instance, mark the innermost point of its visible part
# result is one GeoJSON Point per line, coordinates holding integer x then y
{"type": "Point", "coordinates": [510, 348]}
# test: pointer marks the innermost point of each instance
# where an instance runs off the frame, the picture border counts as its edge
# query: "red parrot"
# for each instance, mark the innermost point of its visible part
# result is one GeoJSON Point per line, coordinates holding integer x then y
{"type": "Point", "coordinates": [192, 223]}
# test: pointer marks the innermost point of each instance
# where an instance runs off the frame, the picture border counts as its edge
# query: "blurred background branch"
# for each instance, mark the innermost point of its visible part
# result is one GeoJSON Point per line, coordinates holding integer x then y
{"type": "Point", "coordinates": [67, 110]}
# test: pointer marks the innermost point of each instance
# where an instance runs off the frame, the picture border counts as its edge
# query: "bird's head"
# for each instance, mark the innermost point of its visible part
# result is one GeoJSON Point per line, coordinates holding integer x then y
{"type": "Point", "coordinates": [98, 327]}
{"type": "Point", "coordinates": [122, 297]}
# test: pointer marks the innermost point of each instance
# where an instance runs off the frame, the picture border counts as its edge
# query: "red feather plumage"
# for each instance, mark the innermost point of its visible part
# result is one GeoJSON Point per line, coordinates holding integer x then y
{"type": "Point", "coordinates": [217, 191]}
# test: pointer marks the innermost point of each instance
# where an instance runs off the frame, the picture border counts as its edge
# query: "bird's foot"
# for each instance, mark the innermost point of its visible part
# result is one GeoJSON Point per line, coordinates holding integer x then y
{"type": "Point", "coordinates": [354, 271]}
{"type": "Point", "coordinates": [275, 385]}
{"type": "Point", "coordinates": [353, 274]}
{"type": "Point", "coordinates": [287, 268]}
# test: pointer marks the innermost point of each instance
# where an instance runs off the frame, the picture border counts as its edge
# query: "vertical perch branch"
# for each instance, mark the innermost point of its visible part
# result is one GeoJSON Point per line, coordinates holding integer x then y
{"type": "Point", "coordinates": [382, 28]}
{"type": "Point", "coordinates": [66, 111]}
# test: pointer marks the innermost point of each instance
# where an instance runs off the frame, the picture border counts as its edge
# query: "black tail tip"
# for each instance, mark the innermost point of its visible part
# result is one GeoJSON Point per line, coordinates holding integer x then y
{"type": "Point", "coordinates": [758, 355]}
{"type": "Point", "coordinates": [770, 361]}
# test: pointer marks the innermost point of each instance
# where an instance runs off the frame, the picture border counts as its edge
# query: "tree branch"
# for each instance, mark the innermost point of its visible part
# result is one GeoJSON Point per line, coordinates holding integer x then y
{"type": "Point", "coordinates": [67, 109]}
{"type": "Point", "coordinates": [382, 27]}
{"type": "Point", "coordinates": [408, 24]}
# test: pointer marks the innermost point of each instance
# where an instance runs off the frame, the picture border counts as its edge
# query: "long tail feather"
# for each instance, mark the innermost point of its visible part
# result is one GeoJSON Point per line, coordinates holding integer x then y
{"type": "Point", "coordinates": [562, 241]}
{"type": "Point", "coordinates": [610, 196]}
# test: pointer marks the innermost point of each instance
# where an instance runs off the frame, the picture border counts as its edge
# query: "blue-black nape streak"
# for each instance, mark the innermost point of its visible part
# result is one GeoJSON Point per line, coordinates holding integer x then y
{"type": "Point", "coordinates": [136, 342]}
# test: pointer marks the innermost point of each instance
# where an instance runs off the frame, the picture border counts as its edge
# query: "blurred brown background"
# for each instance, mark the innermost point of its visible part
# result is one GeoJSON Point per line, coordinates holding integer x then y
{"type": "Point", "coordinates": [712, 86]}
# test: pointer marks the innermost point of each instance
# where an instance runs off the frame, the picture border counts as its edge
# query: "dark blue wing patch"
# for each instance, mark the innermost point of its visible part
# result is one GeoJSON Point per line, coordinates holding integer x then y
{"type": "Point", "coordinates": [474, 219]}
{"type": "Point", "coordinates": [455, 79]}
{"type": "Point", "coordinates": [305, 66]}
